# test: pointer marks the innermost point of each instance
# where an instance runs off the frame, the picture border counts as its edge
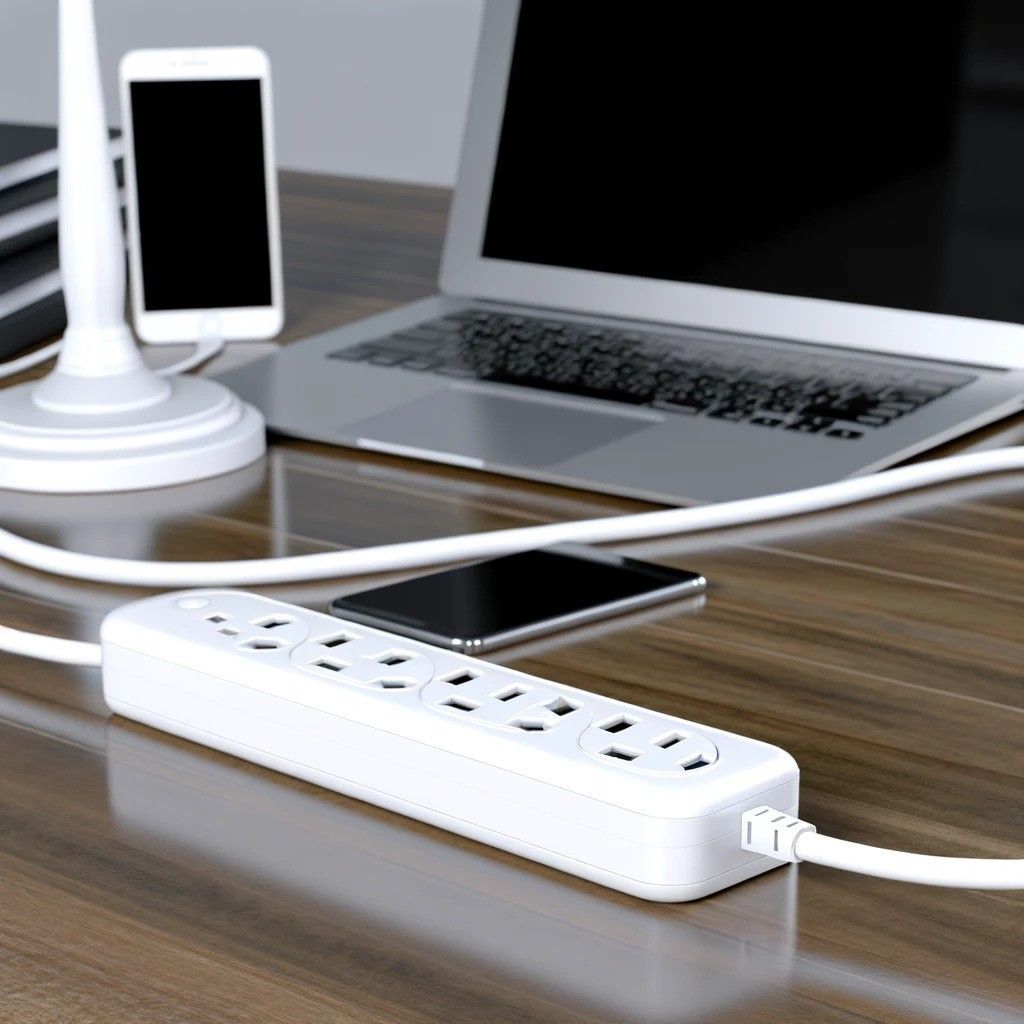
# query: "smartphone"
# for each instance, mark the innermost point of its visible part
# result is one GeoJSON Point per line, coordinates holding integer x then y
{"type": "Point", "coordinates": [479, 607]}
{"type": "Point", "coordinates": [204, 237]}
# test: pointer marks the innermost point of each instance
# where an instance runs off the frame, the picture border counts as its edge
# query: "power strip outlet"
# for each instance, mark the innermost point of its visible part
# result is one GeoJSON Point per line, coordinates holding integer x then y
{"type": "Point", "coordinates": [630, 798]}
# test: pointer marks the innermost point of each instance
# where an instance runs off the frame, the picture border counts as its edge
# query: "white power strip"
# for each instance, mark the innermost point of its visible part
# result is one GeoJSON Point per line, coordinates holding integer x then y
{"type": "Point", "coordinates": [630, 798]}
{"type": "Point", "coordinates": [657, 822]}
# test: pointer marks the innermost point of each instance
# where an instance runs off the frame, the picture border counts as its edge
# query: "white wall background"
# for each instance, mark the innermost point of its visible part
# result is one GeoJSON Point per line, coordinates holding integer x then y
{"type": "Point", "coordinates": [372, 88]}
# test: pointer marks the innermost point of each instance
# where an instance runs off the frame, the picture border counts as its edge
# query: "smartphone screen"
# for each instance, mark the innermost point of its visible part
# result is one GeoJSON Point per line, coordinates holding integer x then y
{"type": "Point", "coordinates": [508, 599]}
{"type": "Point", "coordinates": [201, 185]}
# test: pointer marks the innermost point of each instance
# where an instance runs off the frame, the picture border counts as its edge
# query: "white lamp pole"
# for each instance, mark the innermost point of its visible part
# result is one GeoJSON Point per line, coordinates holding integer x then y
{"type": "Point", "coordinates": [97, 344]}
{"type": "Point", "coordinates": [101, 420]}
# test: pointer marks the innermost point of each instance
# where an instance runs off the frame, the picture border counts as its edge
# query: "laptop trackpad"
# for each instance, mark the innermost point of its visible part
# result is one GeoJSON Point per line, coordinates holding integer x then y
{"type": "Point", "coordinates": [506, 431]}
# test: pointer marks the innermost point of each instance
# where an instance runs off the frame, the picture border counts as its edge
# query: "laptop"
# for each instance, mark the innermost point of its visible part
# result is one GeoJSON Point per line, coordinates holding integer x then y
{"type": "Point", "coordinates": [700, 253]}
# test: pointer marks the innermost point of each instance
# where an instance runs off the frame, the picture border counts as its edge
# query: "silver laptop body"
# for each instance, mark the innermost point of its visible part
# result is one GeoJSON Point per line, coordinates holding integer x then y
{"type": "Point", "coordinates": [684, 325]}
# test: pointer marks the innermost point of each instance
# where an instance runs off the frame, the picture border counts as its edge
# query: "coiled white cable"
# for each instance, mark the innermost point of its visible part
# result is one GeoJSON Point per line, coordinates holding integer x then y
{"type": "Point", "coordinates": [422, 553]}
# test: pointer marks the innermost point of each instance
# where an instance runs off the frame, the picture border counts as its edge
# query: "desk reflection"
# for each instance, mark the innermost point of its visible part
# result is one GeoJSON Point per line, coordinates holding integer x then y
{"type": "Point", "coordinates": [571, 943]}
{"type": "Point", "coordinates": [526, 928]}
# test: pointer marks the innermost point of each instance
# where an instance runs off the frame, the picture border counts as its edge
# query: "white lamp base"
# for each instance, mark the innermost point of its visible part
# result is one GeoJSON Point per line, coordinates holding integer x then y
{"type": "Point", "coordinates": [200, 430]}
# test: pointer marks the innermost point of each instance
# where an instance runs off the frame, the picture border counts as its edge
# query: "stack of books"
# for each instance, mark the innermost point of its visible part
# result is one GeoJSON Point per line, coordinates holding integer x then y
{"type": "Point", "coordinates": [31, 303]}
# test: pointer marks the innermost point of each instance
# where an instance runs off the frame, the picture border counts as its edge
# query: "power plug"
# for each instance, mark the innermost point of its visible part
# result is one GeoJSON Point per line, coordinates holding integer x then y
{"type": "Point", "coordinates": [633, 799]}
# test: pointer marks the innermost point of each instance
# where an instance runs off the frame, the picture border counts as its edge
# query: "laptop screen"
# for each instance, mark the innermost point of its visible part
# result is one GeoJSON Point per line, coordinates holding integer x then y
{"type": "Point", "coordinates": [866, 152]}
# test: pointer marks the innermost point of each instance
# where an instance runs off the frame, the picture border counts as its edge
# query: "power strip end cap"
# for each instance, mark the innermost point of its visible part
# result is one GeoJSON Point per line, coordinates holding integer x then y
{"type": "Point", "coordinates": [773, 834]}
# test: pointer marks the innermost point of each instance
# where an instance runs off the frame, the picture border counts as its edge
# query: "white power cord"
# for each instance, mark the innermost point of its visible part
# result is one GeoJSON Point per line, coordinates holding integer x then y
{"type": "Point", "coordinates": [49, 648]}
{"type": "Point", "coordinates": [765, 830]}
{"type": "Point", "coordinates": [204, 351]}
{"type": "Point", "coordinates": [774, 834]}
{"type": "Point", "coordinates": [415, 554]}
{"type": "Point", "coordinates": [421, 553]}
{"type": "Point", "coordinates": [955, 872]}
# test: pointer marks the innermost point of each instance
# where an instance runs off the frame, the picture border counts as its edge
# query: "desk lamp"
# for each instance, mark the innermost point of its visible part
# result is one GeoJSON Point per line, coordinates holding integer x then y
{"type": "Point", "coordinates": [102, 420]}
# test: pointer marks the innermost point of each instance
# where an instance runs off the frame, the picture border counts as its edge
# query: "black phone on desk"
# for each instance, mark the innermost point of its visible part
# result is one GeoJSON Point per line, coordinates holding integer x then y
{"type": "Point", "coordinates": [501, 601]}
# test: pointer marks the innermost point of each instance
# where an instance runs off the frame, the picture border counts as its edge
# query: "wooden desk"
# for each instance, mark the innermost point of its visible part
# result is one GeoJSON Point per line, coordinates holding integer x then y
{"type": "Point", "coordinates": [143, 879]}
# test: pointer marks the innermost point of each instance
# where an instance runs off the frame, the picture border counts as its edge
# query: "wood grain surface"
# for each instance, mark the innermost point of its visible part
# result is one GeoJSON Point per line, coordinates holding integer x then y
{"type": "Point", "coordinates": [145, 879]}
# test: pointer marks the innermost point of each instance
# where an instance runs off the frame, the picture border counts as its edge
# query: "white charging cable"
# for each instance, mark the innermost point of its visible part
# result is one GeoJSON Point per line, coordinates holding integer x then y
{"type": "Point", "coordinates": [203, 351]}
{"type": "Point", "coordinates": [803, 842]}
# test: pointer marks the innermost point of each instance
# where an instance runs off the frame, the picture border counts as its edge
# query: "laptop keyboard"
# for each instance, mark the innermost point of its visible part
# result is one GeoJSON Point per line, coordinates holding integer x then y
{"type": "Point", "coordinates": [812, 394]}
